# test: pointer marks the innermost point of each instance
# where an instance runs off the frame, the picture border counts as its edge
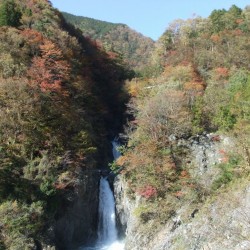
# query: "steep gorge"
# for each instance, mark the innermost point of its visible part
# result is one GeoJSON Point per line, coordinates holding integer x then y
{"type": "Point", "coordinates": [183, 178]}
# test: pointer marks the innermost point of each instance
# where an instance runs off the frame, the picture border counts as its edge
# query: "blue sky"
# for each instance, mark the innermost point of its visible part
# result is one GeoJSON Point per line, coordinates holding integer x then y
{"type": "Point", "coordinates": [149, 17]}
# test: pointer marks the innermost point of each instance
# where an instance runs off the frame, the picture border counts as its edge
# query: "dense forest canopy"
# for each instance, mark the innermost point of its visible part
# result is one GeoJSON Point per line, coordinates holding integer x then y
{"type": "Point", "coordinates": [61, 95]}
{"type": "Point", "coordinates": [134, 48]}
{"type": "Point", "coordinates": [198, 83]}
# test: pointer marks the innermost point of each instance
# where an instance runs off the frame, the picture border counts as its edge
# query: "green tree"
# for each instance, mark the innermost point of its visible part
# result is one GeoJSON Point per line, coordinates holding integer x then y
{"type": "Point", "coordinates": [9, 14]}
{"type": "Point", "coordinates": [218, 23]}
{"type": "Point", "coordinates": [231, 18]}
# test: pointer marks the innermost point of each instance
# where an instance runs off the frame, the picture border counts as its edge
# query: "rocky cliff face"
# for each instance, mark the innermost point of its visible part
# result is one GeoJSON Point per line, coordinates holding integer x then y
{"type": "Point", "coordinates": [221, 221]}
{"type": "Point", "coordinates": [77, 219]}
{"type": "Point", "coordinates": [206, 151]}
{"type": "Point", "coordinates": [129, 223]}
{"type": "Point", "coordinates": [124, 206]}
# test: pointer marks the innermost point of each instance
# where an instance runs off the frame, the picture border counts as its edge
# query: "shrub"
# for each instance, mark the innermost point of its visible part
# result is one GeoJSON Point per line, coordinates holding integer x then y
{"type": "Point", "coordinates": [198, 115]}
{"type": "Point", "coordinates": [144, 213]}
{"type": "Point", "coordinates": [148, 192]}
{"type": "Point", "coordinates": [224, 118]}
{"type": "Point", "coordinates": [227, 172]}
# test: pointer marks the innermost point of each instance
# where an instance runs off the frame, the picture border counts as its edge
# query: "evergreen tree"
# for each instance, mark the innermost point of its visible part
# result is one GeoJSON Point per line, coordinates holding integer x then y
{"type": "Point", "coordinates": [9, 14]}
{"type": "Point", "coordinates": [231, 18]}
{"type": "Point", "coordinates": [217, 20]}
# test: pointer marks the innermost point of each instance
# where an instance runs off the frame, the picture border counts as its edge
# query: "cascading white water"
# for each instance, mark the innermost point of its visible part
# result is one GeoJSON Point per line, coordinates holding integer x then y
{"type": "Point", "coordinates": [116, 153]}
{"type": "Point", "coordinates": [107, 231]}
{"type": "Point", "coordinates": [106, 228]}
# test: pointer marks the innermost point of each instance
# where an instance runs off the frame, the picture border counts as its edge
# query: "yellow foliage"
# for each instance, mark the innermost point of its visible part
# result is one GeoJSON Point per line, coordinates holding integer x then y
{"type": "Point", "coordinates": [194, 86]}
{"type": "Point", "coordinates": [121, 160]}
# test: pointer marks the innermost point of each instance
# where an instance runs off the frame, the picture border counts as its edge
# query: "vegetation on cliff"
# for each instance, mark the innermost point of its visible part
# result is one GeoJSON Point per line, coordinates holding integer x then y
{"type": "Point", "coordinates": [198, 83]}
{"type": "Point", "coordinates": [60, 94]}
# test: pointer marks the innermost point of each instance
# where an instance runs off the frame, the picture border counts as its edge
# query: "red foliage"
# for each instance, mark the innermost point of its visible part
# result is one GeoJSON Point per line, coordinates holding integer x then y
{"type": "Point", "coordinates": [224, 155]}
{"type": "Point", "coordinates": [147, 192]}
{"type": "Point", "coordinates": [50, 70]}
{"type": "Point", "coordinates": [215, 138]}
{"type": "Point", "coordinates": [178, 194]}
{"type": "Point", "coordinates": [33, 36]}
{"type": "Point", "coordinates": [221, 71]}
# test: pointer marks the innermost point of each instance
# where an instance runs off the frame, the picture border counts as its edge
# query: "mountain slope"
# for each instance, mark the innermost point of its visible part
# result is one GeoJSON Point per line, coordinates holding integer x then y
{"type": "Point", "coordinates": [61, 98]}
{"type": "Point", "coordinates": [133, 47]}
{"type": "Point", "coordinates": [188, 142]}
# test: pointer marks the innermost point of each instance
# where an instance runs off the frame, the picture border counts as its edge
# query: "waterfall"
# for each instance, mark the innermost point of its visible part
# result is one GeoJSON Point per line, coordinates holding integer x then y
{"type": "Point", "coordinates": [116, 153]}
{"type": "Point", "coordinates": [107, 231]}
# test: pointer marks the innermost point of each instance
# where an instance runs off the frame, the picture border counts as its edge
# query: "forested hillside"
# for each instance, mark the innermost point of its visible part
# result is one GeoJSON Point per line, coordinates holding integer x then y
{"type": "Point", "coordinates": [60, 98]}
{"type": "Point", "coordinates": [183, 177]}
{"type": "Point", "coordinates": [202, 84]}
{"type": "Point", "coordinates": [195, 93]}
{"type": "Point", "coordinates": [134, 48]}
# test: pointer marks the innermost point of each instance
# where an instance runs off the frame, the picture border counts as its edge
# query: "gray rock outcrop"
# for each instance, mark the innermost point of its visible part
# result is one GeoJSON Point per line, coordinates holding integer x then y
{"type": "Point", "coordinates": [77, 219]}
{"type": "Point", "coordinates": [220, 222]}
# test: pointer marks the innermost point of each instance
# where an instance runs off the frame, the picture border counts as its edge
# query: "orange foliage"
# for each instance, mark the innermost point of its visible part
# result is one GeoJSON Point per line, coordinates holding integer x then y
{"type": "Point", "coordinates": [184, 174]}
{"type": "Point", "coordinates": [179, 194]}
{"type": "Point", "coordinates": [133, 89]}
{"type": "Point", "coordinates": [62, 186]}
{"type": "Point", "coordinates": [135, 86]}
{"type": "Point", "coordinates": [215, 38]}
{"type": "Point", "coordinates": [121, 160]}
{"type": "Point", "coordinates": [196, 87]}
{"type": "Point", "coordinates": [112, 55]}
{"type": "Point", "coordinates": [169, 69]}
{"type": "Point", "coordinates": [237, 32]}
{"type": "Point", "coordinates": [221, 73]}
{"type": "Point", "coordinates": [239, 21]}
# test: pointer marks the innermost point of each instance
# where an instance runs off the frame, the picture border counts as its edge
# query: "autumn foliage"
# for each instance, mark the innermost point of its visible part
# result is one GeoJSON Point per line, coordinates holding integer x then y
{"type": "Point", "coordinates": [198, 84]}
{"type": "Point", "coordinates": [60, 96]}
{"type": "Point", "coordinates": [147, 192]}
{"type": "Point", "coordinates": [49, 70]}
